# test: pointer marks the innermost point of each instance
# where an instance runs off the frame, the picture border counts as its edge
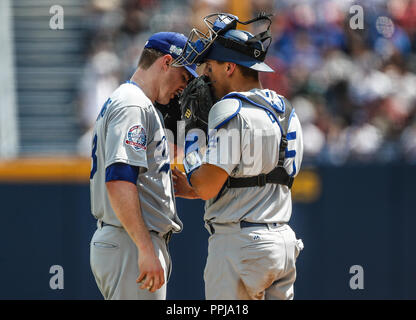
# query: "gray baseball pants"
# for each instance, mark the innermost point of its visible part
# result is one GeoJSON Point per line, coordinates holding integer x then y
{"type": "Point", "coordinates": [251, 263]}
{"type": "Point", "coordinates": [114, 263]}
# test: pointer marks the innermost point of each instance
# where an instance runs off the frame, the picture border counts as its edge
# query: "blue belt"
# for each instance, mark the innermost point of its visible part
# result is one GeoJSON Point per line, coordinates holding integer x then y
{"type": "Point", "coordinates": [246, 224]}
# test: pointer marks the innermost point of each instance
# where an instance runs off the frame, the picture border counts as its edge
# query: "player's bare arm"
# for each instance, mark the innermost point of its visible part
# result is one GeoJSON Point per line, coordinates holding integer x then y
{"type": "Point", "coordinates": [207, 172]}
{"type": "Point", "coordinates": [125, 202]}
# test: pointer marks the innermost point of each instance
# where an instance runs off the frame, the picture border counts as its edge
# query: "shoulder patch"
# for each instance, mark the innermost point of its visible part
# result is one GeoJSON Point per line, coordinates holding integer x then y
{"type": "Point", "coordinates": [136, 138]}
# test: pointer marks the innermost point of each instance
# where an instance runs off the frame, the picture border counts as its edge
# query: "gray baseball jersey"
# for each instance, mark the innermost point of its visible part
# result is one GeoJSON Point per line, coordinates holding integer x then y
{"type": "Point", "coordinates": [251, 148]}
{"type": "Point", "coordinates": [128, 130]}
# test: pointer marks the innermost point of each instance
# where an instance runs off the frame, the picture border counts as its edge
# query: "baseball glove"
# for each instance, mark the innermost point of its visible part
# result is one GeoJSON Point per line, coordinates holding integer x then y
{"type": "Point", "coordinates": [171, 113]}
{"type": "Point", "coordinates": [196, 101]}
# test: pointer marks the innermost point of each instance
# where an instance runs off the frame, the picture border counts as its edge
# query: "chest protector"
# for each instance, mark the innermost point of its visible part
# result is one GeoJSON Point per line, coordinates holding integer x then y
{"type": "Point", "coordinates": [281, 114]}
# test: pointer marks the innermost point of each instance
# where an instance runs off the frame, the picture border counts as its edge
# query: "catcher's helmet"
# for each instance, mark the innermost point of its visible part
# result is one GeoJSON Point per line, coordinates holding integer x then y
{"type": "Point", "coordinates": [223, 42]}
{"type": "Point", "coordinates": [235, 46]}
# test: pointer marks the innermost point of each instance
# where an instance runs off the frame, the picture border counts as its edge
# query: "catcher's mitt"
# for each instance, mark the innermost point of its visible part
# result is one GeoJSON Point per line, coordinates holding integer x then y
{"type": "Point", "coordinates": [196, 101]}
{"type": "Point", "coordinates": [171, 113]}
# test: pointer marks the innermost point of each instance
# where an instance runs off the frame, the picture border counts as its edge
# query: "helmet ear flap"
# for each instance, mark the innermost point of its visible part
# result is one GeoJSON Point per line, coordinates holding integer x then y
{"type": "Point", "coordinates": [261, 38]}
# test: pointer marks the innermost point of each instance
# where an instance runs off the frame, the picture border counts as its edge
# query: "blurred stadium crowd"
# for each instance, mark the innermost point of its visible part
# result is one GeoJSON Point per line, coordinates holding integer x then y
{"type": "Point", "coordinates": [354, 90]}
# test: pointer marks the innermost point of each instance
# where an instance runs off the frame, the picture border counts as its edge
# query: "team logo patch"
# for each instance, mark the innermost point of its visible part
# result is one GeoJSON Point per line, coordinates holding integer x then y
{"type": "Point", "coordinates": [136, 138]}
{"type": "Point", "coordinates": [176, 50]}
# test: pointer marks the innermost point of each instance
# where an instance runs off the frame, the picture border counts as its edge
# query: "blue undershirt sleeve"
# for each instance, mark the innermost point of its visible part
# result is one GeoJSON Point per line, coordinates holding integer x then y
{"type": "Point", "coordinates": [122, 171]}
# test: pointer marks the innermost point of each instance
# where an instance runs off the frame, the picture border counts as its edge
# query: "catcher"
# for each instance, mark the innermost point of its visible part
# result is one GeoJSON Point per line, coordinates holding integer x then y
{"type": "Point", "coordinates": [246, 182]}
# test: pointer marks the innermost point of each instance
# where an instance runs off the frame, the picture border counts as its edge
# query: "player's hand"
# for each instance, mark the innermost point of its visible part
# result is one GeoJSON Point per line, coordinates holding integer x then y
{"type": "Point", "coordinates": [152, 275]}
{"type": "Point", "coordinates": [182, 188]}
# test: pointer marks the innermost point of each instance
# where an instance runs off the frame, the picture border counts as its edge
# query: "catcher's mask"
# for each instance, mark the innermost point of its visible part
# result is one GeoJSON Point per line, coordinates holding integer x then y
{"type": "Point", "coordinates": [223, 42]}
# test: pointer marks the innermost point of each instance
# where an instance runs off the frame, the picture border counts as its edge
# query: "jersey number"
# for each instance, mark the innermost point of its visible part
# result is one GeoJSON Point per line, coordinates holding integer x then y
{"type": "Point", "coordinates": [94, 157]}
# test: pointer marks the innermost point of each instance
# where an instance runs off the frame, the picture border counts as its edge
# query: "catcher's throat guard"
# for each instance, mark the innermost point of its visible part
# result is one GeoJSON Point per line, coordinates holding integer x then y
{"type": "Point", "coordinates": [196, 49]}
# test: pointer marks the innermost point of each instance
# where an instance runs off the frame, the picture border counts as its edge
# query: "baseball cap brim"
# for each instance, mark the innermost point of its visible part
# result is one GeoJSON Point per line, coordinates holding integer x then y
{"type": "Point", "coordinates": [258, 66]}
{"type": "Point", "coordinates": [191, 71]}
{"type": "Point", "coordinates": [220, 53]}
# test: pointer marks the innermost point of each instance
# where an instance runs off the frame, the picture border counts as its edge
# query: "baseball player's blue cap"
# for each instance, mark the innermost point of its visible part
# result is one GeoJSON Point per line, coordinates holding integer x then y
{"type": "Point", "coordinates": [170, 43]}
{"type": "Point", "coordinates": [239, 39]}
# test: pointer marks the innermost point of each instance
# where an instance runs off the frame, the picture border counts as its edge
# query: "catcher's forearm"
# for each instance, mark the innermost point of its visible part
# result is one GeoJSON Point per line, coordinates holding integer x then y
{"type": "Point", "coordinates": [208, 180]}
{"type": "Point", "coordinates": [189, 195]}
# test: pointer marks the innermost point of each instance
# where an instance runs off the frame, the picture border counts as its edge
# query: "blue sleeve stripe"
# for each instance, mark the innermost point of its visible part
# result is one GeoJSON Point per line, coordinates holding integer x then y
{"type": "Point", "coordinates": [294, 169]}
{"type": "Point", "coordinates": [123, 172]}
{"type": "Point", "coordinates": [291, 116]}
{"type": "Point", "coordinates": [290, 153]}
{"type": "Point", "coordinates": [291, 135]}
